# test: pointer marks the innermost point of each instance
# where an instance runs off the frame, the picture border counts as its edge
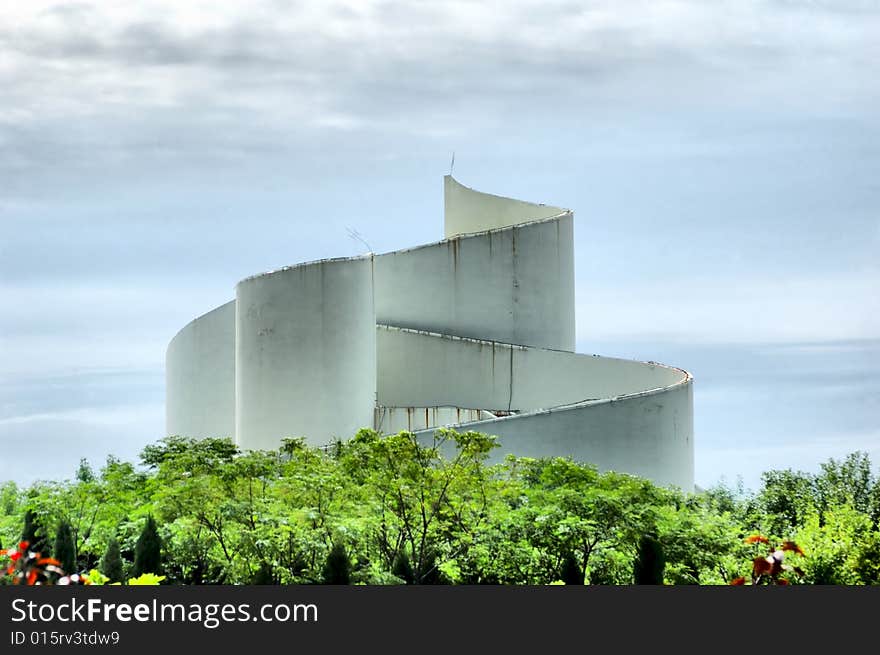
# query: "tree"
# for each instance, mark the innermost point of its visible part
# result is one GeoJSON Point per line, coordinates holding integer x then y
{"type": "Point", "coordinates": [264, 575]}
{"type": "Point", "coordinates": [402, 568]}
{"type": "Point", "coordinates": [834, 543]}
{"type": "Point", "coordinates": [786, 499]}
{"type": "Point", "coordinates": [65, 549]}
{"type": "Point", "coordinates": [848, 481]}
{"type": "Point", "coordinates": [427, 500]}
{"type": "Point", "coordinates": [429, 571]}
{"type": "Point", "coordinates": [571, 572]}
{"type": "Point", "coordinates": [148, 550]}
{"type": "Point", "coordinates": [9, 498]}
{"type": "Point", "coordinates": [867, 560]}
{"type": "Point", "coordinates": [84, 473]}
{"type": "Point", "coordinates": [411, 509]}
{"type": "Point", "coordinates": [337, 568]}
{"type": "Point", "coordinates": [649, 562]}
{"type": "Point", "coordinates": [573, 509]}
{"type": "Point", "coordinates": [111, 563]}
{"type": "Point", "coordinates": [698, 542]}
{"type": "Point", "coordinates": [34, 534]}
{"type": "Point", "coordinates": [193, 455]}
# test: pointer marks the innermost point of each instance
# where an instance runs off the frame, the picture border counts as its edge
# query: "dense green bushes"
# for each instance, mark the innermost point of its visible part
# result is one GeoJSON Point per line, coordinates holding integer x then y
{"type": "Point", "coordinates": [391, 511]}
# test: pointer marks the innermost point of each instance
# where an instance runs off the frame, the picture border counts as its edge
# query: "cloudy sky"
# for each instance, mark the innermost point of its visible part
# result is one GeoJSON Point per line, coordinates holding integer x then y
{"type": "Point", "coordinates": [721, 159]}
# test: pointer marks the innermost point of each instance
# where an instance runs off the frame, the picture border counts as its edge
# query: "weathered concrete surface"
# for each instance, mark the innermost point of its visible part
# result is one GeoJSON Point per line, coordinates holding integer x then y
{"type": "Point", "coordinates": [476, 331]}
{"type": "Point", "coordinates": [649, 434]}
{"type": "Point", "coordinates": [514, 284]}
{"type": "Point", "coordinates": [466, 210]}
{"type": "Point", "coordinates": [200, 376]}
{"type": "Point", "coordinates": [305, 353]}
{"type": "Point", "coordinates": [414, 366]}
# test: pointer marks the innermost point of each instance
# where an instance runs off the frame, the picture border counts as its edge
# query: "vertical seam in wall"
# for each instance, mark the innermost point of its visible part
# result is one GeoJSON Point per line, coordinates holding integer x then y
{"type": "Point", "coordinates": [510, 391]}
{"type": "Point", "coordinates": [235, 412]}
{"type": "Point", "coordinates": [514, 290]}
{"type": "Point", "coordinates": [376, 341]}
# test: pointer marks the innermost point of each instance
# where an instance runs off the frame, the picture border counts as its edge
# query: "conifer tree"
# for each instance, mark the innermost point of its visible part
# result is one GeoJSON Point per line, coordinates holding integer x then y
{"type": "Point", "coordinates": [111, 563]}
{"type": "Point", "coordinates": [337, 568]}
{"type": "Point", "coordinates": [148, 550]}
{"type": "Point", "coordinates": [65, 549]}
{"type": "Point", "coordinates": [650, 561]}
{"type": "Point", "coordinates": [264, 575]}
{"type": "Point", "coordinates": [34, 534]}
{"type": "Point", "coordinates": [84, 472]}
{"type": "Point", "coordinates": [570, 571]}
{"type": "Point", "coordinates": [402, 568]}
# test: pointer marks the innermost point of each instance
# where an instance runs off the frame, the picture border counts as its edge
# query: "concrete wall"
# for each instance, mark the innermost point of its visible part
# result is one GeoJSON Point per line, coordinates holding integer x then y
{"type": "Point", "coordinates": [466, 210]}
{"type": "Point", "coordinates": [514, 285]}
{"type": "Point", "coordinates": [420, 368]}
{"type": "Point", "coordinates": [622, 415]}
{"type": "Point", "coordinates": [305, 353]}
{"type": "Point", "coordinates": [391, 420]}
{"type": "Point", "coordinates": [477, 325]}
{"type": "Point", "coordinates": [200, 376]}
{"type": "Point", "coordinates": [649, 435]}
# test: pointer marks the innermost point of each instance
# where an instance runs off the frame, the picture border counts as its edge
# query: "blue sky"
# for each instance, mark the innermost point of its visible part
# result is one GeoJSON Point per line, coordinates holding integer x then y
{"type": "Point", "coordinates": [721, 159]}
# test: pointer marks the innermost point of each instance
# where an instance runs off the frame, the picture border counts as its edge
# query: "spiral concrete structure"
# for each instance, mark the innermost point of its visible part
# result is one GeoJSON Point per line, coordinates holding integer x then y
{"type": "Point", "coordinates": [475, 332]}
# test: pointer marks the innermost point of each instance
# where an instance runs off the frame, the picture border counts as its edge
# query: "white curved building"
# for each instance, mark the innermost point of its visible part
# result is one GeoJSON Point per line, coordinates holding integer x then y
{"type": "Point", "coordinates": [476, 331]}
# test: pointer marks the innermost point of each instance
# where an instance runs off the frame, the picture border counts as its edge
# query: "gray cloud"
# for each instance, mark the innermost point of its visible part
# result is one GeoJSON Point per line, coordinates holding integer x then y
{"type": "Point", "coordinates": [720, 158]}
{"type": "Point", "coordinates": [389, 59]}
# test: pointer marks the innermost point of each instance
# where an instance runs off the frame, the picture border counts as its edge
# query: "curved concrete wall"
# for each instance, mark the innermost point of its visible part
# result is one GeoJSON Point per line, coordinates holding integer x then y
{"type": "Point", "coordinates": [305, 353]}
{"type": "Point", "coordinates": [514, 285]}
{"type": "Point", "coordinates": [649, 435]}
{"type": "Point", "coordinates": [476, 331]}
{"type": "Point", "coordinates": [466, 210]}
{"type": "Point", "coordinates": [417, 367]}
{"type": "Point", "coordinates": [200, 376]}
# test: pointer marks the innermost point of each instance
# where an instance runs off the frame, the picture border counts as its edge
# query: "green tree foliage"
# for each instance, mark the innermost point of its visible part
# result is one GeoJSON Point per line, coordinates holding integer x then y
{"type": "Point", "coordinates": [65, 548]}
{"type": "Point", "coordinates": [111, 563]}
{"type": "Point", "coordinates": [650, 561]}
{"type": "Point", "coordinates": [425, 502]}
{"type": "Point", "coordinates": [574, 510]}
{"type": "Point", "coordinates": [786, 498]}
{"type": "Point", "coordinates": [403, 569]}
{"type": "Point", "coordinates": [337, 568]}
{"type": "Point", "coordinates": [849, 482]}
{"type": "Point", "coordinates": [84, 472]}
{"type": "Point", "coordinates": [866, 561]}
{"type": "Point", "coordinates": [430, 511]}
{"type": "Point", "coordinates": [700, 543]}
{"type": "Point", "coordinates": [34, 534]}
{"type": "Point", "coordinates": [10, 500]}
{"type": "Point", "coordinates": [570, 572]}
{"type": "Point", "coordinates": [264, 575]}
{"type": "Point", "coordinates": [148, 550]}
{"type": "Point", "coordinates": [833, 543]}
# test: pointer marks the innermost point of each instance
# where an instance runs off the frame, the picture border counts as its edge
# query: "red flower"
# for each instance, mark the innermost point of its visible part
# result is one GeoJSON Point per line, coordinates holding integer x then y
{"type": "Point", "coordinates": [757, 539]}
{"type": "Point", "coordinates": [761, 565]}
{"type": "Point", "coordinates": [738, 582]}
{"type": "Point", "coordinates": [791, 546]}
{"type": "Point", "coordinates": [23, 545]}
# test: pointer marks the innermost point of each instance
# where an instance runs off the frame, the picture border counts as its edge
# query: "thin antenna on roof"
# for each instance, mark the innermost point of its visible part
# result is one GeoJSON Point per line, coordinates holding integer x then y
{"type": "Point", "coordinates": [354, 234]}
{"type": "Point", "coordinates": [452, 163]}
